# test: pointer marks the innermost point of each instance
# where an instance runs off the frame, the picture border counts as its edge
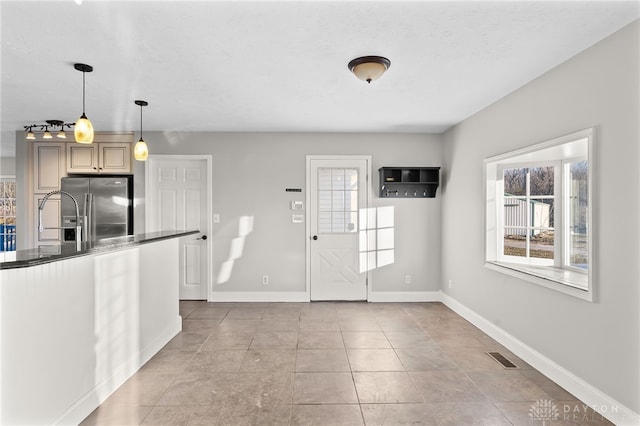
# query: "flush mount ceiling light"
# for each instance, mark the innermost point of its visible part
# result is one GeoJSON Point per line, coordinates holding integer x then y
{"type": "Point", "coordinates": [83, 130]}
{"type": "Point", "coordinates": [369, 68]}
{"type": "Point", "coordinates": [141, 151]}
{"type": "Point", "coordinates": [47, 134]}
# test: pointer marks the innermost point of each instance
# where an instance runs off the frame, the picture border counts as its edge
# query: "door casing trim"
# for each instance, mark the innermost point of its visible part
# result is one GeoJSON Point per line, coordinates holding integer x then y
{"type": "Point", "coordinates": [369, 195]}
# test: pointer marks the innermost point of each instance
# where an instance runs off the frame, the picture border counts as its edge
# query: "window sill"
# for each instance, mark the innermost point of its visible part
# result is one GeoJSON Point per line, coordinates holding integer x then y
{"type": "Point", "coordinates": [573, 283]}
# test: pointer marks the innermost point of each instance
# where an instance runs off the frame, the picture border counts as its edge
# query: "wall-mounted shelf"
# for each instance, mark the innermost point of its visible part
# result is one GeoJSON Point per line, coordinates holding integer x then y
{"type": "Point", "coordinates": [409, 182]}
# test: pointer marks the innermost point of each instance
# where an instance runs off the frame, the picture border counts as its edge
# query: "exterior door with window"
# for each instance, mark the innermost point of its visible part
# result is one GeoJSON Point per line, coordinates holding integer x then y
{"type": "Point", "coordinates": [177, 194]}
{"type": "Point", "coordinates": [337, 197]}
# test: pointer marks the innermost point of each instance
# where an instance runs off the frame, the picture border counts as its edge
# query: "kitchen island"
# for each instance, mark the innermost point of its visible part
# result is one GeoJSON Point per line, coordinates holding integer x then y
{"type": "Point", "coordinates": [75, 325]}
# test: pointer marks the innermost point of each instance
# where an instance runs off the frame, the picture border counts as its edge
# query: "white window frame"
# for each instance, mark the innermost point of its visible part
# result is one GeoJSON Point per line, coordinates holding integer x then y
{"type": "Point", "coordinates": [560, 275]}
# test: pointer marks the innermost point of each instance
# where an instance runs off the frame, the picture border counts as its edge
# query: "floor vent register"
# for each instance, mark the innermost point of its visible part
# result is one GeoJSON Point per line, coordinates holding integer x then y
{"type": "Point", "coordinates": [502, 360]}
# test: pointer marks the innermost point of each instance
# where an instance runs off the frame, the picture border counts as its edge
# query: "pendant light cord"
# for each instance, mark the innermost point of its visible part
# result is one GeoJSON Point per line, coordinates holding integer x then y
{"type": "Point", "coordinates": [83, 92]}
{"type": "Point", "coordinates": [141, 121]}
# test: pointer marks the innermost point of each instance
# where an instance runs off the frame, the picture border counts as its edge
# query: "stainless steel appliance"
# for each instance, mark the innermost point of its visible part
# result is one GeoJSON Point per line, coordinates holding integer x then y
{"type": "Point", "coordinates": [105, 201]}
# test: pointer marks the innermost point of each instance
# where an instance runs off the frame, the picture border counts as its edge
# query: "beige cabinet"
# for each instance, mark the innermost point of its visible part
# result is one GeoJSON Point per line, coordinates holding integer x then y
{"type": "Point", "coordinates": [51, 220]}
{"type": "Point", "coordinates": [106, 157]}
{"type": "Point", "coordinates": [49, 161]}
{"type": "Point", "coordinates": [48, 166]}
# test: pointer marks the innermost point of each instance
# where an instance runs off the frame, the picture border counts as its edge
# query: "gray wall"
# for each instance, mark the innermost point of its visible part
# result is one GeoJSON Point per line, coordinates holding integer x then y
{"type": "Point", "coordinates": [250, 174]}
{"type": "Point", "coordinates": [599, 341]}
{"type": "Point", "coordinates": [7, 166]}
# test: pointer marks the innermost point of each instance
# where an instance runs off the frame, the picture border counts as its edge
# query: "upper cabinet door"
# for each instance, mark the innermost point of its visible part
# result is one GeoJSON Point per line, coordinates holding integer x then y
{"type": "Point", "coordinates": [114, 157]}
{"type": "Point", "coordinates": [82, 158]}
{"type": "Point", "coordinates": [99, 158]}
{"type": "Point", "coordinates": [49, 166]}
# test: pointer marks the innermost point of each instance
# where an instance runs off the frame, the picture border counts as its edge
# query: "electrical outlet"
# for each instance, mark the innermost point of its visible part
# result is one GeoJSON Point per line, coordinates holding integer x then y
{"type": "Point", "coordinates": [265, 279]}
{"type": "Point", "coordinates": [407, 279]}
{"type": "Point", "coordinates": [450, 283]}
{"type": "Point", "coordinates": [216, 218]}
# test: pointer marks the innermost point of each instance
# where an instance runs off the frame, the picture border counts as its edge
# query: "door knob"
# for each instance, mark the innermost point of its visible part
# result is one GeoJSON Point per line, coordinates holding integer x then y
{"type": "Point", "coordinates": [315, 237]}
{"type": "Point", "coordinates": [204, 237]}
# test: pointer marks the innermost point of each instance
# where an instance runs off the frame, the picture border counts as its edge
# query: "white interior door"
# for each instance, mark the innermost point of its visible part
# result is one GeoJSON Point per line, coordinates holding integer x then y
{"type": "Point", "coordinates": [178, 198]}
{"type": "Point", "coordinates": [338, 196]}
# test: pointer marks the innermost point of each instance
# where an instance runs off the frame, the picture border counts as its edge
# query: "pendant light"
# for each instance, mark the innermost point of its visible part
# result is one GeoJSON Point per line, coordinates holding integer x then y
{"type": "Point", "coordinates": [83, 130]}
{"type": "Point", "coordinates": [140, 151]}
{"type": "Point", "coordinates": [30, 135]}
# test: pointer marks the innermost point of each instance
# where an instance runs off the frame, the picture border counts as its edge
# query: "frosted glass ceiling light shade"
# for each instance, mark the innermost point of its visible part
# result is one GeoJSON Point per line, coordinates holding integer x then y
{"type": "Point", "coordinates": [83, 130]}
{"type": "Point", "coordinates": [30, 135]}
{"type": "Point", "coordinates": [47, 134]}
{"type": "Point", "coordinates": [369, 68]}
{"type": "Point", "coordinates": [141, 151]}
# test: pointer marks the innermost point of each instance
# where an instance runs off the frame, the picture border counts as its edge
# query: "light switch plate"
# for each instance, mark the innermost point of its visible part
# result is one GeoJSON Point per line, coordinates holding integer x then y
{"type": "Point", "coordinates": [297, 218]}
{"type": "Point", "coordinates": [297, 205]}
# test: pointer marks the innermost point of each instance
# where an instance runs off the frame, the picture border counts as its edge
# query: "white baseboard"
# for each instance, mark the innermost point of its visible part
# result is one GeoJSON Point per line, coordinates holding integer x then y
{"type": "Point", "coordinates": [259, 296]}
{"type": "Point", "coordinates": [405, 296]}
{"type": "Point", "coordinates": [101, 391]}
{"type": "Point", "coordinates": [300, 296]}
{"type": "Point", "coordinates": [605, 405]}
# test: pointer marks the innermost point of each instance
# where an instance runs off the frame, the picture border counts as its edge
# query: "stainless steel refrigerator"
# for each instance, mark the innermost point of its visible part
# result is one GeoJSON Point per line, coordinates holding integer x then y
{"type": "Point", "coordinates": [105, 201]}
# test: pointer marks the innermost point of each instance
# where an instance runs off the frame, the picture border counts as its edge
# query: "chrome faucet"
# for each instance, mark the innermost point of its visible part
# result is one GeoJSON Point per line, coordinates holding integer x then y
{"type": "Point", "coordinates": [78, 225]}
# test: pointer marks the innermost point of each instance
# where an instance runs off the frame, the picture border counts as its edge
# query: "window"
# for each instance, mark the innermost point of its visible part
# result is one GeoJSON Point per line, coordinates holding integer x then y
{"type": "Point", "coordinates": [538, 214]}
{"type": "Point", "coordinates": [7, 214]}
{"type": "Point", "coordinates": [338, 200]}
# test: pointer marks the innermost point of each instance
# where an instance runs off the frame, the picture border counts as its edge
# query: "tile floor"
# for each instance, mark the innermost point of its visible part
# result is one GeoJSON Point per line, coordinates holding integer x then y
{"type": "Point", "coordinates": [334, 364]}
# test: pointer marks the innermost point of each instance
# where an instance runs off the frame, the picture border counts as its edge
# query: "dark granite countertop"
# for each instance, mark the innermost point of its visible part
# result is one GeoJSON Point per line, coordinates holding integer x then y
{"type": "Point", "coordinates": [48, 254]}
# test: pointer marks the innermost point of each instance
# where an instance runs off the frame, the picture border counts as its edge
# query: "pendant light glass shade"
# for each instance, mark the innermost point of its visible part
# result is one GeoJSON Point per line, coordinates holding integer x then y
{"type": "Point", "coordinates": [83, 130]}
{"type": "Point", "coordinates": [141, 151]}
{"type": "Point", "coordinates": [30, 135]}
{"type": "Point", "coordinates": [47, 134]}
{"type": "Point", "coordinates": [61, 134]}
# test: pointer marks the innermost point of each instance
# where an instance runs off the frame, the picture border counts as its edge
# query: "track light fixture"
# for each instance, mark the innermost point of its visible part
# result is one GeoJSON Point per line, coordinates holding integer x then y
{"type": "Point", "coordinates": [45, 128]}
{"type": "Point", "coordinates": [141, 151]}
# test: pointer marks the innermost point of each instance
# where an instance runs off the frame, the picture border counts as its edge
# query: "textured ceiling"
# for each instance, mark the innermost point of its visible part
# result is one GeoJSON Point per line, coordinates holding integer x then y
{"type": "Point", "coordinates": [282, 66]}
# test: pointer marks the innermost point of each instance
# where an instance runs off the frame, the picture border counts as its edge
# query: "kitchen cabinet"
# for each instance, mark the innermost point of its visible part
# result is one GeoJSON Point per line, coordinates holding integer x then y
{"type": "Point", "coordinates": [49, 161]}
{"type": "Point", "coordinates": [50, 219]}
{"type": "Point", "coordinates": [48, 166]}
{"type": "Point", "coordinates": [99, 158]}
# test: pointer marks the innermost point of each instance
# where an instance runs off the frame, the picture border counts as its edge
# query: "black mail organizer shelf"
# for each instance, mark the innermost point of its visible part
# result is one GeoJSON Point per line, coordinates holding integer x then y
{"type": "Point", "coordinates": [409, 182]}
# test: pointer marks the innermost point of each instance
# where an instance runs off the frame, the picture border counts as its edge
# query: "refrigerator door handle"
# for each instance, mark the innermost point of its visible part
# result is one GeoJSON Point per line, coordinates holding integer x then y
{"type": "Point", "coordinates": [86, 220]}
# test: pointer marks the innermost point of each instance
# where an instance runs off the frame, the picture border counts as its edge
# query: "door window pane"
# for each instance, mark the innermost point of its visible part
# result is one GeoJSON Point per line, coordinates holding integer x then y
{"type": "Point", "coordinates": [337, 200]}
